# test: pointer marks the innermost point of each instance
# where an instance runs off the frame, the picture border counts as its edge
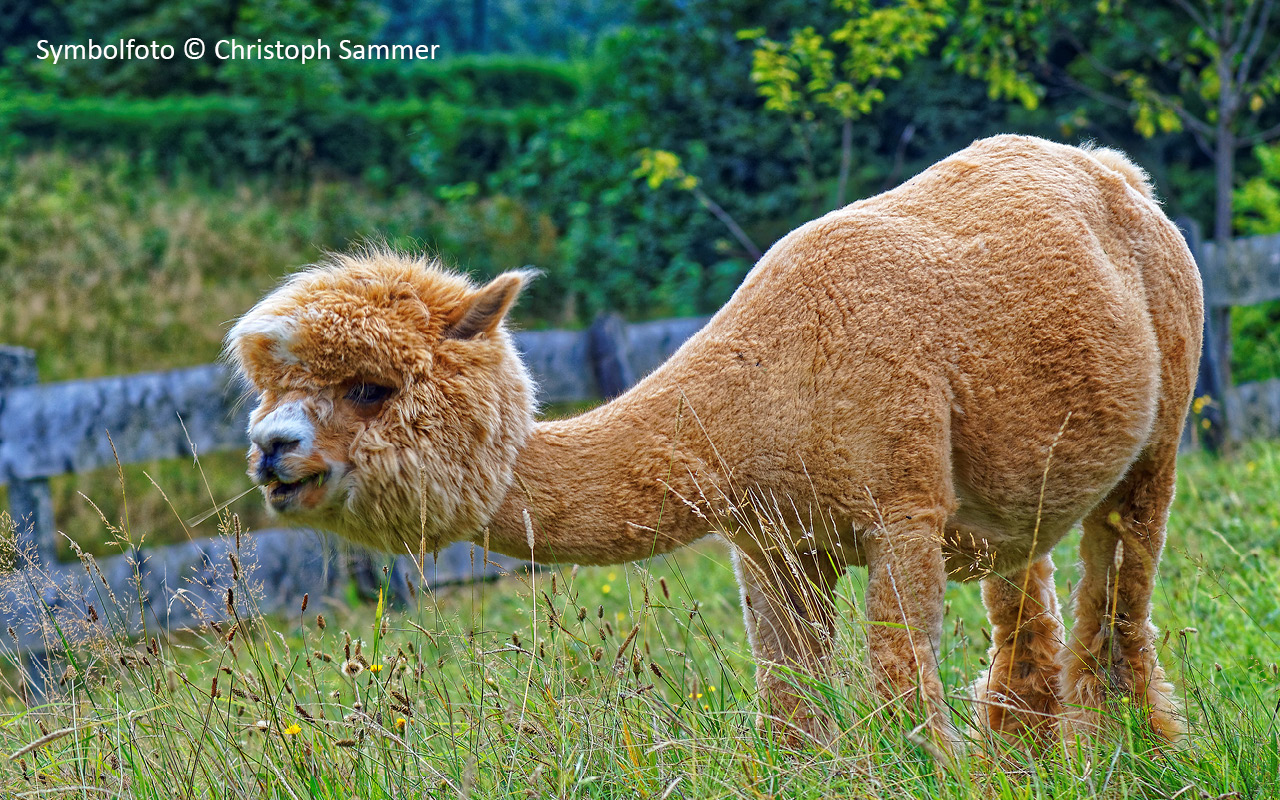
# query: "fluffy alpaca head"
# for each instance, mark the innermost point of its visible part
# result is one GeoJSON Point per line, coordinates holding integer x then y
{"type": "Point", "coordinates": [392, 403]}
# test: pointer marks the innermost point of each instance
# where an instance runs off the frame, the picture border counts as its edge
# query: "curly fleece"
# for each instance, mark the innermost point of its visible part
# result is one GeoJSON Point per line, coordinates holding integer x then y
{"type": "Point", "coordinates": [937, 382]}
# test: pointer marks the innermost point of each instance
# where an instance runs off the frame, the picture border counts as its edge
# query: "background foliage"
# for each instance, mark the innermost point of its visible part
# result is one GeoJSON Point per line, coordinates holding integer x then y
{"type": "Point", "coordinates": [544, 125]}
{"type": "Point", "coordinates": [144, 206]}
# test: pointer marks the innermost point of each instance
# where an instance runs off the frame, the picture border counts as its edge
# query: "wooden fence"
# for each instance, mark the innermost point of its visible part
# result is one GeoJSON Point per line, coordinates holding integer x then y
{"type": "Point", "coordinates": [53, 429]}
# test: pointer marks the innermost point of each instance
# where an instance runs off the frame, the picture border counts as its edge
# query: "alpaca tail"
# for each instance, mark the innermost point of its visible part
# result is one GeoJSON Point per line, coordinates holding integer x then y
{"type": "Point", "coordinates": [1134, 175]}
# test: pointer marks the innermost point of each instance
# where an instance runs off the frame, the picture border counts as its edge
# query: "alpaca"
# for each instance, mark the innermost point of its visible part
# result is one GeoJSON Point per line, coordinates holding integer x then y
{"type": "Point", "coordinates": [952, 375]}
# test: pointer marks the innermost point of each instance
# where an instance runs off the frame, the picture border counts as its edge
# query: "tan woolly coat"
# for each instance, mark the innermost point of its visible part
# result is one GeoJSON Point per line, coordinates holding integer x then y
{"type": "Point", "coordinates": [937, 381]}
{"type": "Point", "coordinates": [914, 353]}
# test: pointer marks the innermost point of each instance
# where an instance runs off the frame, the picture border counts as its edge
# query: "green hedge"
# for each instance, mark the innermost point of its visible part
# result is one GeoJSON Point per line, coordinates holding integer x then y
{"type": "Point", "coordinates": [436, 140]}
{"type": "Point", "coordinates": [497, 81]}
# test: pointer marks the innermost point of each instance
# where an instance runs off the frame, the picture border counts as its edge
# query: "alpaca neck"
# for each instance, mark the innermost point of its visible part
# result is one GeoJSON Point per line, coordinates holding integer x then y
{"type": "Point", "coordinates": [603, 488]}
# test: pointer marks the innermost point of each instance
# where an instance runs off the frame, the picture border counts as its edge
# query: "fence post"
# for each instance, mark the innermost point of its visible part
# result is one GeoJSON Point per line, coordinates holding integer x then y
{"type": "Point", "coordinates": [30, 503]}
{"type": "Point", "coordinates": [610, 355]}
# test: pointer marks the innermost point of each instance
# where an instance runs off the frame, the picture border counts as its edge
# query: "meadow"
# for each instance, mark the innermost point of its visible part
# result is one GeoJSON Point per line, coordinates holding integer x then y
{"type": "Point", "coordinates": [143, 210]}
{"type": "Point", "coordinates": [636, 681]}
{"type": "Point", "coordinates": [630, 681]}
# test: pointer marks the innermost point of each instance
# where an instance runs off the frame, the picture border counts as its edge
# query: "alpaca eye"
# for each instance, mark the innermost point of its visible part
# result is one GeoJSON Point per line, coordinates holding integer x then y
{"type": "Point", "coordinates": [367, 394]}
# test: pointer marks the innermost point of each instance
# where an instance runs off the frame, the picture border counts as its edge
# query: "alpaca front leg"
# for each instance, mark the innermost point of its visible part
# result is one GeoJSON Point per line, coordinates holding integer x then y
{"type": "Point", "coordinates": [1018, 694]}
{"type": "Point", "coordinates": [789, 613]}
{"type": "Point", "coordinates": [907, 580]}
{"type": "Point", "coordinates": [1112, 656]}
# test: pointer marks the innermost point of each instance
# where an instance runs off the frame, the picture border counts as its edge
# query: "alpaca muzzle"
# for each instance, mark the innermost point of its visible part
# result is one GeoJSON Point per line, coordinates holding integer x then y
{"type": "Point", "coordinates": [282, 458]}
{"type": "Point", "coordinates": [269, 467]}
{"type": "Point", "coordinates": [282, 433]}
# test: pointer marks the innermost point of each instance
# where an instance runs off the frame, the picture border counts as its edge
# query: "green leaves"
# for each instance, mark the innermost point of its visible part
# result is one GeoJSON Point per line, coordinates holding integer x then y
{"type": "Point", "coordinates": [1000, 43]}
{"type": "Point", "coordinates": [1257, 202]}
{"type": "Point", "coordinates": [660, 166]}
{"type": "Point", "coordinates": [842, 71]}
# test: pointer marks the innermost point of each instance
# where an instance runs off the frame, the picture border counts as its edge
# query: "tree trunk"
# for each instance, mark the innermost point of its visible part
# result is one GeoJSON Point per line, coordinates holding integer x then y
{"type": "Point", "coordinates": [1224, 170]}
{"type": "Point", "coordinates": [1224, 177]}
{"type": "Point", "coordinates": [1218, 319]}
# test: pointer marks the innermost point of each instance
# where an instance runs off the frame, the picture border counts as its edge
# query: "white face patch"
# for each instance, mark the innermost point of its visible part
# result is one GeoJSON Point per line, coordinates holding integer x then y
{"type": "Point", "coordinates": [278, 329]}
{"type": "Point", "coordinates": [287, 422]}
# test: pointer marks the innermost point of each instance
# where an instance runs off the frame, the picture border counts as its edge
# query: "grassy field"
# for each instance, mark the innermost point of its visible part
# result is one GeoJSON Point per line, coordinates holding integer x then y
{"type": "Point", "coordinates": [635, 681]}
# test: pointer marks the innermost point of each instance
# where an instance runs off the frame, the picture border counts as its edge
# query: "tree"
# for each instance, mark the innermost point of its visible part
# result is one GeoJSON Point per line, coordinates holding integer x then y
{"type": "Point", "coordinates": [842, 72]}
{"type": "Point", "coordinates": [1207, 67]}
{"type": "Point", "coordinates": [1257, 201]}
{"type": "Point", "coordinates": [661, 166]}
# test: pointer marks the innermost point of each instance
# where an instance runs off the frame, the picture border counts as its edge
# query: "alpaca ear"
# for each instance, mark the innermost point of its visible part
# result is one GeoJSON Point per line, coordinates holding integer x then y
{"type": "Point", "coordinates": [485, 310]}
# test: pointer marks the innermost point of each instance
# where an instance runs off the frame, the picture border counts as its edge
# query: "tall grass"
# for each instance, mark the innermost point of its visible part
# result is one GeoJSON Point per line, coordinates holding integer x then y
{"type": "Point", "coordinates": [634, 681]}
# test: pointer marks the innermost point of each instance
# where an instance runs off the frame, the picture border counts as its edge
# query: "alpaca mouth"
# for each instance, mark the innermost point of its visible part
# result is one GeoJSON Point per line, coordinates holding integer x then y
{"type": "Point", "coordinates": [281, 494]}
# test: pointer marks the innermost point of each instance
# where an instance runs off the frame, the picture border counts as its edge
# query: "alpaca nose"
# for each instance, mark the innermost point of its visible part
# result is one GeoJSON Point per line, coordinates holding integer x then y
{"type": "Point", "coordinates": [272, 451]}
{"type": "Point", "coordinates": [284, 430]}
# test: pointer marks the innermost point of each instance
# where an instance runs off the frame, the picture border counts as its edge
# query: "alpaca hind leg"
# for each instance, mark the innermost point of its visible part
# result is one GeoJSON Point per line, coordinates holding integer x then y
{"type": "Point", "coordinates": [787, 603]}
{"type": "Point", "coordinates": [906, 583]}
{"type": "Point", "coordinates": [1112, 654]}
{"type": "Point", "coordinates": [1017, 696]}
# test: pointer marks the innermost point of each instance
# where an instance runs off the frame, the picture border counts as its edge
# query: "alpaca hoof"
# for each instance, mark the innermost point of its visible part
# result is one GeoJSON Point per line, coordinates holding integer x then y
{"type": "Point", "coordinates": [1164, 716]}
{"type": "Point", "coordinates": [1083, 727]}
{"type": "Point", "coordinates": [798, 732]}
{"type": "Point", "coordinates": [1161, 722]}
{"type": "Point", "coordinates": [1021, 720]}
{"type": "Point", "coordinates": [1168, 724]}
{"type": "Point", "coordinates": [945, 742]}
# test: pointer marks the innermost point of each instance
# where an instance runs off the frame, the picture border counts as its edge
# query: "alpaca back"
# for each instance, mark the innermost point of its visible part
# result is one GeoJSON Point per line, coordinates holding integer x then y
{"type": "Point", "coordinates": [973, 310]}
